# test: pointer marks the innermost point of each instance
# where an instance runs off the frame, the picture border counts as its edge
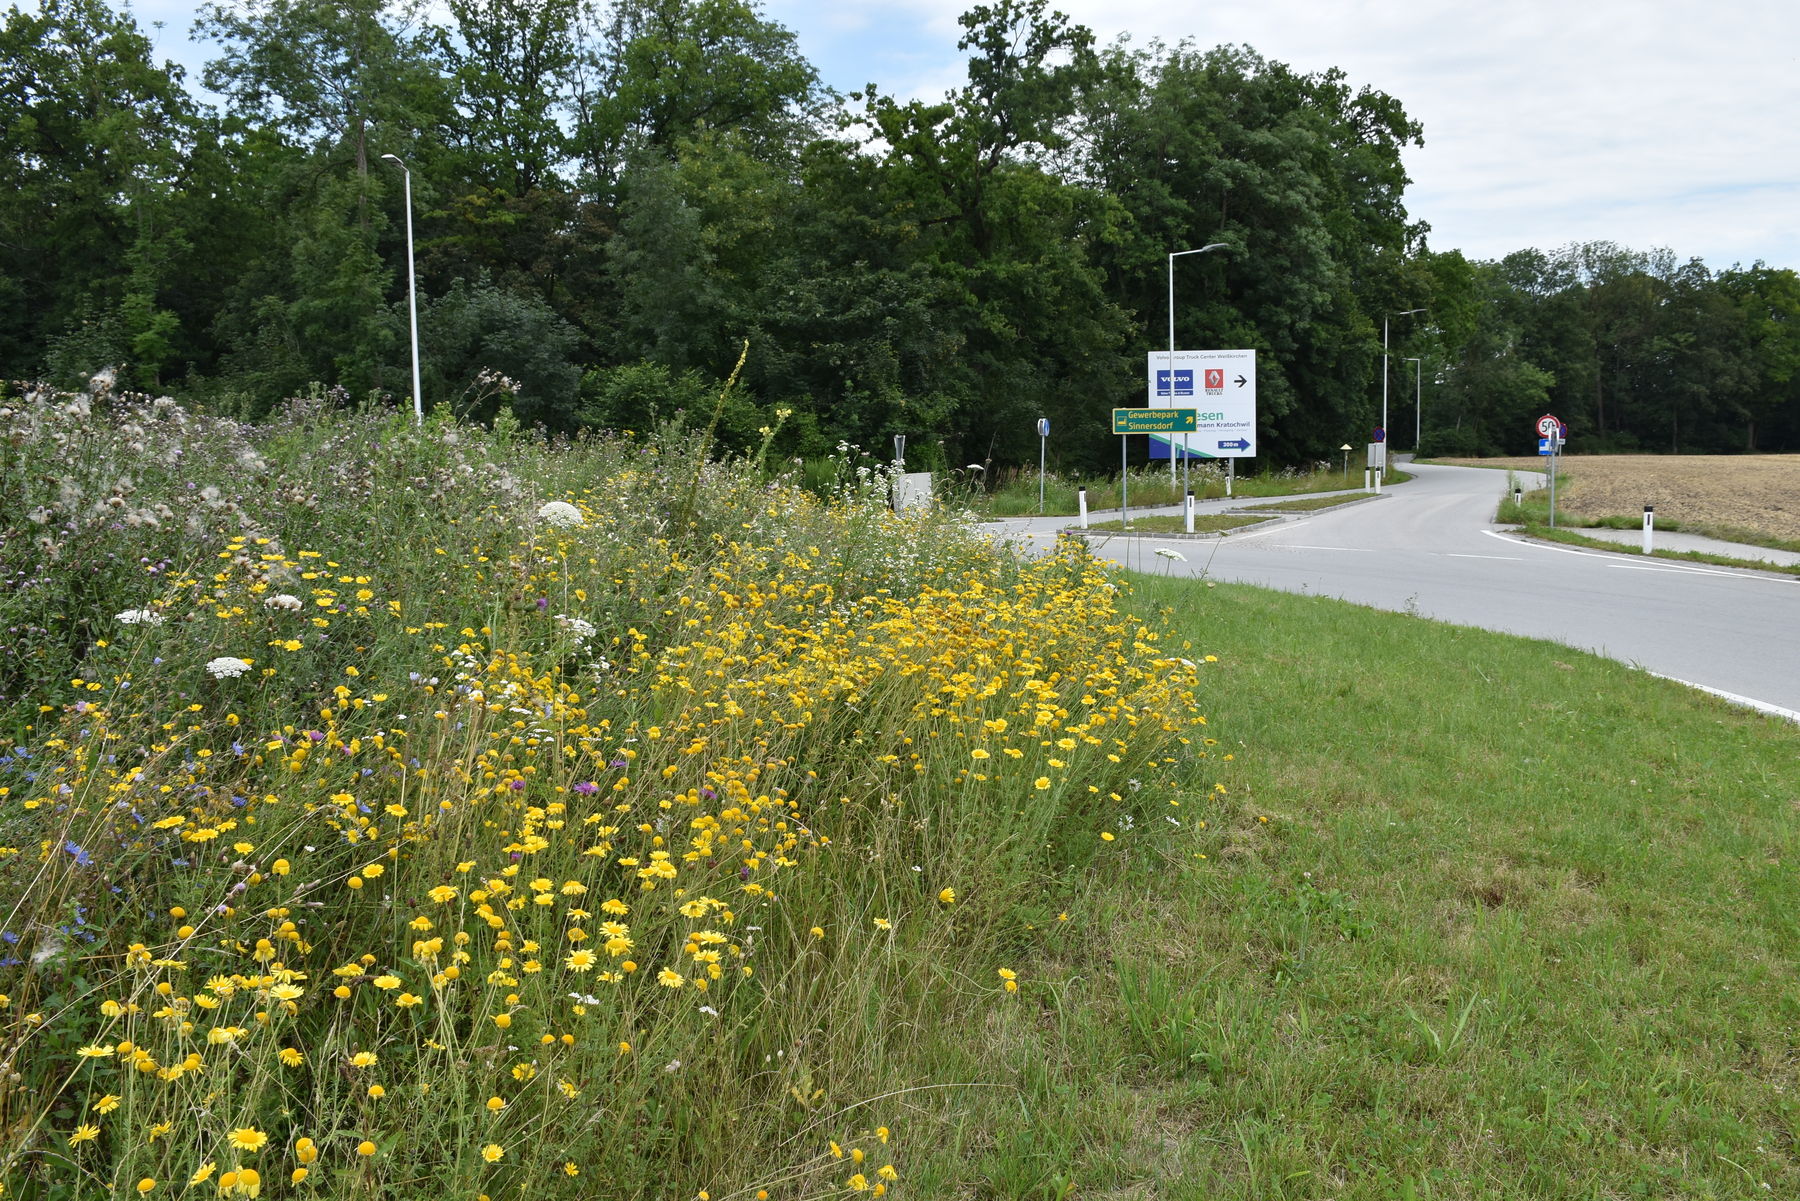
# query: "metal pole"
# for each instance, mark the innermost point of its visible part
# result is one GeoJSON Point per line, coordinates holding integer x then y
{"type": "Point", "coordinates": [1125, 470]}
{"type": "Point", "coordinates": [1553, 480]}
{"type": "Point", "coordinates": [1172, 367]}
{"type": "Point", "coordinates": [1041, 441]}
{"type": "Point", "coordinates": [1418, 402]}
{"type": "Point", "coordinates": [1384, 372]}
{"type": "Point", "coordinates": [1184, 438]}
{"type": "Point", "coordinates": [412, 290]}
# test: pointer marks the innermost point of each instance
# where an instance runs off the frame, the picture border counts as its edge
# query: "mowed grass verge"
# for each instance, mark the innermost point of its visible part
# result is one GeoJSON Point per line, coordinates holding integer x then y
{"type": "Point", "coordinates": [1478, 917]}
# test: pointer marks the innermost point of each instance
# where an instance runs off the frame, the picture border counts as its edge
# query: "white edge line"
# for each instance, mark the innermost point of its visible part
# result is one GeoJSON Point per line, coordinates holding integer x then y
{"type": "Point", "coordinates": [1747, 702]}
{"type": "Point", "coordinates": [1679, 570]}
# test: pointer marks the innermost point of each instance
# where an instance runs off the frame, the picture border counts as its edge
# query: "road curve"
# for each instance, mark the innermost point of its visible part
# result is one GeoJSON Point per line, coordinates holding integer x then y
{"type": "Point", "coordinates": [1430, 547]}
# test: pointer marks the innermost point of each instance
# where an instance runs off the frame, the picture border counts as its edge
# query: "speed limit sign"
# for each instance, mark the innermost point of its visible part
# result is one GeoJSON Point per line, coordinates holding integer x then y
{"type": "Point", "coordinates": [1549, 427]}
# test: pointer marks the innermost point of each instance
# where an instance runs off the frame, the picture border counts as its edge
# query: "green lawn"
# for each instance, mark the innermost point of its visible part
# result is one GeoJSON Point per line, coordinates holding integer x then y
{"type": "Point", "coordinates": [1476, 917]}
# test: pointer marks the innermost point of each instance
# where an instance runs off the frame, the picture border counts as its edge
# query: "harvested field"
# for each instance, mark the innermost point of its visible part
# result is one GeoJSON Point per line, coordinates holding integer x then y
{"type": "Point", "coordinates": [1755, 493]}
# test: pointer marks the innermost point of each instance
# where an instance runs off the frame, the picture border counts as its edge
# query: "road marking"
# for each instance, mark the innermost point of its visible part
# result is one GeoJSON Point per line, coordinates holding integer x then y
{"type": "Point", "coordinates": [1734, 698]}
{"type": "Point", "coordinates": [1502, 558]}
{"type": "Point", "coordinates": [1689, 570]}
{"type": "Point", "coordinates": [1355, 550]}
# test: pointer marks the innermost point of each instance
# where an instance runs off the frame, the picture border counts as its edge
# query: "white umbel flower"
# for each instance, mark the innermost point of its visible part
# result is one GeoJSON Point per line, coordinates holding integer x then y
{"type": "Point", "coordinates": [562, 514]}
{"type": "Point", "coordinates": [580, 629]}
{"type": "Point", "coordinates": [283, 601]}
{"type": "Point", "coordinates": [139, 617]}
{"type": "Point", "coordinates": [1164, 552]}
{"type": "Point", "coordinates": [225, 667]}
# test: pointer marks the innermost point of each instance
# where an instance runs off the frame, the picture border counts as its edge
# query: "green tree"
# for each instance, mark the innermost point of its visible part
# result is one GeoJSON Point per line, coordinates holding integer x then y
{"type": "Point", "coordinates": [93, 153]}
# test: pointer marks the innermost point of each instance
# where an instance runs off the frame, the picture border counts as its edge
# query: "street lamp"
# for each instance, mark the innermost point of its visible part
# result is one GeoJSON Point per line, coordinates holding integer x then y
{"type": "Point", "coordinates": [1184, 439]}
{"type": "Point", "coordinates": [1418, 398]}
{"type": "Point", "coordinates": [412, 290]}
{"type": "Point", "coordinates": [1384, 374]}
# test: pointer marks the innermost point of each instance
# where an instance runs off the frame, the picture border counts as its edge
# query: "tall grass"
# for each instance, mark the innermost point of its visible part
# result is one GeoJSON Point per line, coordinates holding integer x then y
{"type": "Point", "coordinates": [396, 810]}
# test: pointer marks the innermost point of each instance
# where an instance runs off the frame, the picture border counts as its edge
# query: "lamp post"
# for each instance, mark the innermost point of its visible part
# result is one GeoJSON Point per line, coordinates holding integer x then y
{"type": "Point", "coordinates": [1418, 399]}
{"type": "Point", "coordinates": [1384, 372]}
{"type": "Point", "coordinates": [1184, 438]}
{"type": "Point", "coordinates": [412, 290]}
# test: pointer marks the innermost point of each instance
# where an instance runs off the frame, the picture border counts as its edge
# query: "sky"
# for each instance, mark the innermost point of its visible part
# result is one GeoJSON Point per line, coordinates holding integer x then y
{"type": "Point", "coordinates": [1656, 124]}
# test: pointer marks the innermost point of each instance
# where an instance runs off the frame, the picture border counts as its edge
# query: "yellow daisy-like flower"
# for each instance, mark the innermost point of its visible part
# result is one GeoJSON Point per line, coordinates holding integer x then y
{"type": "Point", "coordinates": [363, 1059]}
{"type": "Point", "coordinates": [84, 1133]}
{"type": "Point", "coordinates": [203, 1174]}
{"type": "Point", "coordinates": [1041, 783]}
{"type": "Point", "coordinates": [948, 896]}
{"type": "Point", "coordinates": [145, 1185]}
{"type": "Point", "coordinates": [881, 923]}
{"type": "Point", "coordinates": [291, 1057]}
{"type": "Point", "coordinates": [107, 1104]}
{"type": "Point", "coordinates": [670, 978]}
{"type": "Point", "coordinates": [496, 1104]}
{"type": "Point", "coordinates": [249, 1139]}
{"type": "Point", "coordinates": [493, 1152]}
{"type": "Point", "coordinates": [581, 961]}
{"type": "Point", "coordinates": [366, 1149]}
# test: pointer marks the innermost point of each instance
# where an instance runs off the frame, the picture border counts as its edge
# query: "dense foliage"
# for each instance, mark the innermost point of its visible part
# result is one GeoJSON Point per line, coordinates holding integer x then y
{"type": "Point", "coordinates": [638, 187]}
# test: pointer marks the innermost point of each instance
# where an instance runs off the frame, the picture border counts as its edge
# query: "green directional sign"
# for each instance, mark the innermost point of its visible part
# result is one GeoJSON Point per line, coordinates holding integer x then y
{"type": "Point", "coordinates": [1155, 421]}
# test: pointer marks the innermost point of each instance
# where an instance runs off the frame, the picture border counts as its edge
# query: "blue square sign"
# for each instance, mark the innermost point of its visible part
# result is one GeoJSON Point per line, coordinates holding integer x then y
{"type": "Point", "coordinates": [1184, 382]}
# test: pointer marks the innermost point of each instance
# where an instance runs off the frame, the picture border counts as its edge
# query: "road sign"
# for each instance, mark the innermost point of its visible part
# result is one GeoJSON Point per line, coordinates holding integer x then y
{"type": "Point", "coordinates": [1043, 427]}
{"type": "Point", "coordinates": [1551, 427]}
{"type": "Point", "coordinates": [1155, 421]}
{"type": "Point", "coordinates": [1380, 435]}
{"type": "Point", "coordinates": [1546, 446]}
{"type": "Point", "coordinates": [1224, 400]}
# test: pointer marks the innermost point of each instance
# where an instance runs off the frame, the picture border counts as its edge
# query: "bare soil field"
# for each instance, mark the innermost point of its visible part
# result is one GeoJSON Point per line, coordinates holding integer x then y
{"type": "Point", "coordinates": [1755, 493]}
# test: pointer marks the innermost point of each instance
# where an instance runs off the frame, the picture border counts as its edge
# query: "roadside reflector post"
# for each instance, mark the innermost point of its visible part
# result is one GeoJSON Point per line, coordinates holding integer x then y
{"type": "Point", "coordinates": [1518, 495]}
{"type": "Point", "coordinates": [1190, 511]}
{"type": "Point", "coordinates": [1230, 476]}
{"type": "Point", "coordinates": [1649, 525]}
{"type": "Point", "coordinates": [1081, 504]}
{"type": "Point", "coordinates": [1368, 480]}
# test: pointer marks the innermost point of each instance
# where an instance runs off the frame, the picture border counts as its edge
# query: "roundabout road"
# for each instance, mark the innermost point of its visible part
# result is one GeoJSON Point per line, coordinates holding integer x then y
{"type": "Point", "coordinates": [1430, 547]}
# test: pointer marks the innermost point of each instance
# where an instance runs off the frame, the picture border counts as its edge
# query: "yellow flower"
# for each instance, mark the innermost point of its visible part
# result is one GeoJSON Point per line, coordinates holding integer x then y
{"type": "Point", "coordinates": [297, 1175]}
{"type": "Point", "coordinates": [291, 1057]}
{"type": "Point", "coordinates": [858, 1183]}
{"type": "Point", "coordinates": [948, 896]}
{"type": "Point", "coordinates": [881, 923]}
{"type": "Point", "coordinates": [496, 1104]}
{"type": "Point", "coordinates": [107, 1104]}
{"type": "Point", "coordinates": [365, 1148]}
{"type": "Point", "coordinates": [376, 1092]}
{"type": "Point", "coordinates": [84, 1133]}
{"type": "Point", "coordinates": [669, 978]}
{"type": "Point", "coordinates": [145, 1185]}
{"type": "Point", "coordinates": [492, 1152]}
{"type": "Point", "coordinates": [306, 1151]}
{"type": "Point", "coordinates": [581, 961]}
{"type": "Point", "coordinates": [1106, 836]}
{"type": "Point", "coordinates": [152, 1133]}
{"type": "Point", "coordinates": [1041, 783]}
{"type": "Point", "coordinates": [249, 1139]}
{"type": "Point", "coordinates": [204, 1174]}
{"type": "Point", "coordinates": [363, 1059]}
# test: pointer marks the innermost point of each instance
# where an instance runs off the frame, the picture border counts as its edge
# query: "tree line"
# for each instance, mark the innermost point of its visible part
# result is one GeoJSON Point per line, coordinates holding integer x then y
{"type": "Point", "coordinates": [609, 199]}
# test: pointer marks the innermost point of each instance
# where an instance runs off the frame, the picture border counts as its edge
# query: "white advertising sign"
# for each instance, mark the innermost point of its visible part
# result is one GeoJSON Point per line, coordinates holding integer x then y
{"type": "Point", "coordinates": [1221, 386]}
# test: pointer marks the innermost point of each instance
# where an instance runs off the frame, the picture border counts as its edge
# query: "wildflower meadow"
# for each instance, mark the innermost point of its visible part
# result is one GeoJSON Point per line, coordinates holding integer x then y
{"type": "Point", "coordinates": [395, 810]}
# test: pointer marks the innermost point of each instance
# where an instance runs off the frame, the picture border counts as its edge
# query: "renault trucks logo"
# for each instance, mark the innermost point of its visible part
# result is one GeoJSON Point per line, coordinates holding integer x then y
{"type": "Point", "coordinates": [1215, 381]}
{"type": "Point", "coordinates": [1184, 381]}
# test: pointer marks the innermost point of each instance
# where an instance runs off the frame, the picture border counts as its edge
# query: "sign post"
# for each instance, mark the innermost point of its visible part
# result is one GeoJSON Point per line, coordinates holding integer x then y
{"type": "Point", "coordinates": [1043, 436]}
{"type": "Point", "coordinates": [1221, 384]}
{"type": "Point", "coordinates": [1551, 435]}
{"type": "Point", "coordinates": [1146, 421]}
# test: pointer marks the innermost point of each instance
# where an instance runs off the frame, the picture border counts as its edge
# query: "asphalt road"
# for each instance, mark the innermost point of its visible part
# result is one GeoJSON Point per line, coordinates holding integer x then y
{"type": "Point", "coordinates": [1430, 547]}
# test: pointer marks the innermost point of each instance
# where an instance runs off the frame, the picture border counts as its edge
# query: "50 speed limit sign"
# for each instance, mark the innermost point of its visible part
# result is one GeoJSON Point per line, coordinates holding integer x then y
{"type": "Point", "coordinates": [1549, 427]}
